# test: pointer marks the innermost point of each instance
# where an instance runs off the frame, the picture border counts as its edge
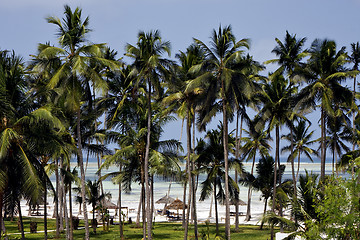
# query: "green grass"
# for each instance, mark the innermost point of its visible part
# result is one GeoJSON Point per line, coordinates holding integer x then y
{"type": "Point", "coordinates": [168, 231]}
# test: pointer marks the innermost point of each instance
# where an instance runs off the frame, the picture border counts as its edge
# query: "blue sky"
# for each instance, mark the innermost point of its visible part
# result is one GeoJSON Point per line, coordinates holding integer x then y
{"type": "Point", "coordinates": [117, 22]}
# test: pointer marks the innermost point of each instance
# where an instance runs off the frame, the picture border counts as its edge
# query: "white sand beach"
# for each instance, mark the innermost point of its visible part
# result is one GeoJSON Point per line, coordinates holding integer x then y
{"type": "Point", "coordinates": [131, 200]}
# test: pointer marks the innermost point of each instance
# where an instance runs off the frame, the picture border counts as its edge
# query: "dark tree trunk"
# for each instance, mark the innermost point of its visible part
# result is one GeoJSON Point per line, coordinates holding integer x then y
{"type": "Point", "coordinates": [56, 209]}
{"type": "Point", "coordinates": [225, 144]}
{"type": "Point", "coordinates": [188, 140]}
{"type": "Point", "coordinates": [70, 213]}
{"type": "Point", "coordinates": [194, 214]}
{"type": "Point", "coordinates": [262, 222]}
{"type": "Point", "coordinates": [21, 222]}
{"type": "Point", "coordinates": [237, 155]}
{"type": "Point", "coordinates": [275, 175]}
{"type": "Point", "coordinates": [216, 210]}
{"type": "Point", "coordinates": [120, 220]}
{"type": "Point", "coordinates": [45, 210]}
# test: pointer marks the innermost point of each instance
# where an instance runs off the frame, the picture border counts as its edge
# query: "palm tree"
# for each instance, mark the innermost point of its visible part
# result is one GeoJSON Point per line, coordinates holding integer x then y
{"type": "Point", "coordinates": [20, 169]}
{"type": "Point", "coordinates": [301, 143]}
{"type": "Point", "coordinates": [256, 142]}
{"type": "Point", "coordinates": [325, 71]}
{"type": "Point", "coordinates": [211, 161]}
{"type": "Point", "coordinates": [276, 99]}
{"type": "Point", "coordinates": [69, 79]}
{"type": "Point", "coordinates": [184, 99]}
{"type": "Point", "coordinates": [148, 66]}
{"type": "Point", "coordinates": [355, 59]}
{"type": "Point", "coordinates": [94, 197]}
{"type": "Point", "coordinates": [222, 58]}
{"type": "Point", "coordinates": [264, 179]}
{"type": "Point", "coordinates": [336, 134]}
{"type": "Point", "coordinates": [289, 55]}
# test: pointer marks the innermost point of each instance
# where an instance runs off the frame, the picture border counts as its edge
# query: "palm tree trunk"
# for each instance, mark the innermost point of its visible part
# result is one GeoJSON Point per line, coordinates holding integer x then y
{"type": "Point", "coordinates": [237, 153]}
{"type": "Point", "coordinates": [225, 143]}
{"type": "Point", "coordinates": [194, 214]}
{"type": "Point", "coordinates": [120, 220]}
{"type": "Point", "coordinates": [45, 210]}
{"type": "Point", "coordinates": [277, 153]}
{"type": "Point", "coordinates": [216, 209]}
{"type": "Point", "coordinates": [262, 222]}
{"type": "Point", "coordinates": [248, 210]}
{"type": "Point", "coordinates": [323, 147]}
{"type": "Point", "coordinates": [298, 167]}
{"type": "Point", "coordinates": [292, 163]}
{"type": "Point", "coordinates": [188, 140]}
{"type": "Point", "coordinates": [82, 172]}
{"type": "Point", "coordinates": [184, 197]}
{"type": "Point", "coordinates": [21, 222]}
{"type": "Point", "coordinates": [146, 167]}
{"type": "Point", "coordinates": [61, 186]}
{"type": "Point", "coordinates": [56, 208]}
{"type": "Point", "coordinates": [70, 212]}
{"type": "Point", "coordinates": [66, 216]}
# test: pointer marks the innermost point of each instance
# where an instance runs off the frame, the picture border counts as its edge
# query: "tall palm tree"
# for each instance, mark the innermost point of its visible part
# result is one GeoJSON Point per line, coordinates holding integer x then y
{"type": "Point", "coordinates": [256, 142]}
{"type": "Point", "coordinates": [148, 66]}
{"type": "Point", "coordinates": [355, 59]}
{"type": "Point", "coordinates": [211, 161]}
{"type": "Point", "coordinates": [73, 77]}
{"type": "Point", "coordinates": [290, 54]}
{"type": "Point", "coordinates": [276, 99]}
{"type": "Point", "coordinates": [222, 57]}
{"type": "Point", "coordinates": [184, 99]}
{"type": "Point", "coordinates": [324, 72]}
{"type": "Point", "coordinates": [301, 143]}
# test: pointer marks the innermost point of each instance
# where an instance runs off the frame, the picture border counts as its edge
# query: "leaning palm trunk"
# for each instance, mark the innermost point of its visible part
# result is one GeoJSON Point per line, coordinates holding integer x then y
{"type": "Point", "coordinates": [146, 168]}
{"type": "Point", "coordinates": [216, 210]}
{"type": "Point", "coordinates": [188, 133]}
{"type": "Point", "coordinates": [82, 172]}
{"type": "Point", "coordinates": [262, 222]}
{"type": "Point", "coordinates": [21, 222]}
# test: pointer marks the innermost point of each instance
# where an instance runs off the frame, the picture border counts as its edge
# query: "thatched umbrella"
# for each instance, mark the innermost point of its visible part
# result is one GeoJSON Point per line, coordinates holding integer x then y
{"type": "Point", "coordinates": [240, 202]}
{"type": "Point", "coordinates": [110, 205]}
{"type": "Point", "coordinates": [177, 205]}
{"type": "Point", "coordinates": [165, 199]}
